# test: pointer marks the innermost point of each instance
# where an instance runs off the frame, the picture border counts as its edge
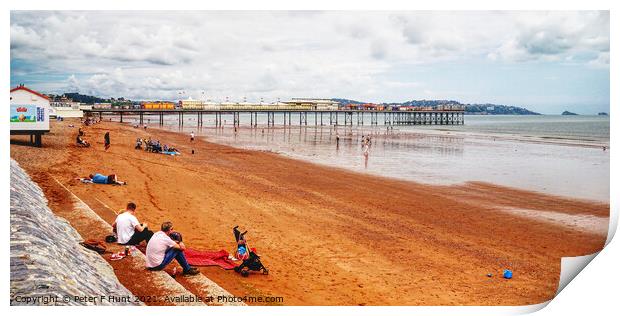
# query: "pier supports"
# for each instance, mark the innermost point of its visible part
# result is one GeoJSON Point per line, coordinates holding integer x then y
{"type": "Point", "coordinates": [303, 118]}
{"type": "Point", "coordinates": [348, 118]}
{"type": "Point", "coordinates": [236, 119]}
{"type": "Point", "coordinates": [360, 118]}
{"type": "Point", "coordinates": [373, 118]}
{"type": "Point", "coordinates": [389, 117]}
{"type": "Point", "coordinates": [270, 119]}
{"type": "Point", "coordinates": [218, 119]}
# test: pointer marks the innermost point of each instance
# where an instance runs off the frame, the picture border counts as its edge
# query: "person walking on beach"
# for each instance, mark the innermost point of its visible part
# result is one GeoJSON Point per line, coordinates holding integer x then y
{"type": "Point", "coordinates": [191, 135]}
{"type": "Point", "coordinates": [162, 249]}
{"type": "Point", "coordinates": [337, 141]}
{"type": "Point", "coordinates": [129, 231]}
{"type": "Point", "coordinates": [106, 140]}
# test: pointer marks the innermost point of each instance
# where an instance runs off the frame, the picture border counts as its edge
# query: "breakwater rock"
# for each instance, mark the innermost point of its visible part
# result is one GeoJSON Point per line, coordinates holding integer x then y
{"type": "Point", "coordinates": [48, 265]}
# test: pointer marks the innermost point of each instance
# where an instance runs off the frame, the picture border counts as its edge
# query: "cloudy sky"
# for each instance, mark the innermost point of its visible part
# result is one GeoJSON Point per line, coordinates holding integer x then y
{"type": "Point", "coordinates": [545, 61]}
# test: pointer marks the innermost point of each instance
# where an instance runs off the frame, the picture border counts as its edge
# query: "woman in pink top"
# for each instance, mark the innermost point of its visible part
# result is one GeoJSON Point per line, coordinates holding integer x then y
{"type": "Point", "coordinates": [161, 250]}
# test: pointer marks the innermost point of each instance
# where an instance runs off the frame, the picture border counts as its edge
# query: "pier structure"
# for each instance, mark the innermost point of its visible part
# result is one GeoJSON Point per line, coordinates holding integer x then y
{"type": "Point", "coordinates": [318, 117]}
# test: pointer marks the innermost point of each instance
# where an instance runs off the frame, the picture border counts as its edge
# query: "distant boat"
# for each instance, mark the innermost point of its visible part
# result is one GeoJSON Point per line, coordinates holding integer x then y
{"type": "Point", "coordinates": [569, 113]}
{"type": "Point", "coordinates": [603, 113]}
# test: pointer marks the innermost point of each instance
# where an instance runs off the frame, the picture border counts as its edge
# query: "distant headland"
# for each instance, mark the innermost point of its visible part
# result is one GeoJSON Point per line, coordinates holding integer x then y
{"type": "Point", "coordinates": [569, 113]}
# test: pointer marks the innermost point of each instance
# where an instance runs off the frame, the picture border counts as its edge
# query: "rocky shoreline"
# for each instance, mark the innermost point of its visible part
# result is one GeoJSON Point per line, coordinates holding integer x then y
{"type": "Point", "coordinates": [48, 265]}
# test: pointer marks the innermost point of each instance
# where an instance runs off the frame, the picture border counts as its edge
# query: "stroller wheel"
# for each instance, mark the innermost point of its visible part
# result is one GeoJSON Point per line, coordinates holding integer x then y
{"type": "Point", "coordinates": [245, 273]}
{"type": "Point", "coordinates": [237, 269]}
{"type": "Point", "coordinates": [265, 271]}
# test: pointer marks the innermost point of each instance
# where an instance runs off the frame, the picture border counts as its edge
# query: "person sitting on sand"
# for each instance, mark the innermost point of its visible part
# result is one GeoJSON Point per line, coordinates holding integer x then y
{"type": "Point", "coordinates": [128, 229]}
{"type": "Point", "coordinates": [101, 179]}
{"type": "Point", "coordinates": [161, 250]}
{"type": "Point", "coordinates": [157, 147]}
{"type": "Point", "coordinates": [138, 143]}
{"type": "Point", "coordinates": [81, 142]}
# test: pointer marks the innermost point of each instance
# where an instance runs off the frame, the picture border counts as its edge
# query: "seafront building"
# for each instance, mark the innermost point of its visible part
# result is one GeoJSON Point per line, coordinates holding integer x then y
{"type": "Point", "coordinates": [103, 106]}
{"type": "Point", "coordinates": [158, 105]}
{"type": "Point", "coordinates": [62, 106]}
{"type": "Point", "coordinates": [191, 104]}
{"type": "Point", "coordinates": [313, 104]}
{"type": "Point", "coordinates": [293, 104]}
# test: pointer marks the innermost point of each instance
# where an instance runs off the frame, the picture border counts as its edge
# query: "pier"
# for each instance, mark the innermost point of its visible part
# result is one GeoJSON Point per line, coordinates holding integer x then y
{"type": "Point", "coordinates": [317, 117]}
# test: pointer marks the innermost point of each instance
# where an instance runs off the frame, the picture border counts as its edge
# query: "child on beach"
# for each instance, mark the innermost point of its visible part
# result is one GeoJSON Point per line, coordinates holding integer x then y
{"type": "Point", "coordinates": [81, 142]}
{"type": "Point", "coordinates": [191, 135]}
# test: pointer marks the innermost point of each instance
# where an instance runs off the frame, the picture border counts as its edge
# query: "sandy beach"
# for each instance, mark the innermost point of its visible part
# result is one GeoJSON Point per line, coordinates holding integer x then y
{"type": "Point", "coordinates": [328, 236]}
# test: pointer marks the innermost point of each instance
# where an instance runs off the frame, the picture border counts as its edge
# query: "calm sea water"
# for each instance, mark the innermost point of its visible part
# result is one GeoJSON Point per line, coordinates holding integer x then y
{"type": "Point", "coordinates": [560, 155]}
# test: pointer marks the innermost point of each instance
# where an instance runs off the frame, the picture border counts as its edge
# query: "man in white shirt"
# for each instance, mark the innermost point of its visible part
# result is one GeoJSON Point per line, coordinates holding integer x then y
{"type": "Point", "coordinates": [128, 229]}
{"type": "Point", "coordinates": [161, 250]}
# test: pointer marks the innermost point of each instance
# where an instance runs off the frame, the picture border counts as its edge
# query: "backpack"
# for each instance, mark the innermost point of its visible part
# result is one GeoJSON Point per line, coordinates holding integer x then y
{"type": "Point", "coordinates": [110, 239]}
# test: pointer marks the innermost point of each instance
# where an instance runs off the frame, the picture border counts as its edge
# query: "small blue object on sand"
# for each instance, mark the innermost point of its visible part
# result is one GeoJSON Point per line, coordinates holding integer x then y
{"type": "Point", "coordinates": [507, 274]}
{"type": "Point", "coordinates": [171, 153]}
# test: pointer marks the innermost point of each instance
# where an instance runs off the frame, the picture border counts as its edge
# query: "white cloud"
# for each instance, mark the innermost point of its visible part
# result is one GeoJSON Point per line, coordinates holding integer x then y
{"type": "Point", "coordinates": [284, 54]}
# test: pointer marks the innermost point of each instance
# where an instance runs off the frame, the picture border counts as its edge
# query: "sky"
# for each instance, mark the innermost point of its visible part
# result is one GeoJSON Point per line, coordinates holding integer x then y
{"type": "Point", "coordinates": [547, 62]}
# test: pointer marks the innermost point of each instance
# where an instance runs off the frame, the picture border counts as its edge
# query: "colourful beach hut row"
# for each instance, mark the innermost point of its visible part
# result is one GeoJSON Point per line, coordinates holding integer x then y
{"type": "Point", "coordinates": [366, 107]}
{"type": "Point", "coordinates": [158, 105]}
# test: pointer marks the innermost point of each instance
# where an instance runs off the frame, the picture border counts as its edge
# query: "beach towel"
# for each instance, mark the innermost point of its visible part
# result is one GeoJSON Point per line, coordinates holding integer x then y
{"type": "Point", "coordinates": [171, 153]}
{"type": "Point", "coordinates": [209, 258]}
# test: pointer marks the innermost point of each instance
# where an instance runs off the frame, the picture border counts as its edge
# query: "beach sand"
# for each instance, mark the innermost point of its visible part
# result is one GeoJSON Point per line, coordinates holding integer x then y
{"type": "Point", "coordinates": [328, 236]}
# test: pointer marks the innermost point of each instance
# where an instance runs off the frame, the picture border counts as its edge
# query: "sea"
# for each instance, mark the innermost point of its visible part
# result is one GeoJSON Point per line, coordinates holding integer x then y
{"type": "Point", "coordinates": [559, 155]}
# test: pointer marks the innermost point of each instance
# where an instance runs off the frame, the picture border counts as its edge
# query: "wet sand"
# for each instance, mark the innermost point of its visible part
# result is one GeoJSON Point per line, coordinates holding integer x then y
{"type": "Point", "coordinates": [328, 236]}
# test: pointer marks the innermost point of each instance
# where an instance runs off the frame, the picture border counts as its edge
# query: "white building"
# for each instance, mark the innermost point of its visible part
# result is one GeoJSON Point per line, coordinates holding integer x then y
{"type": "Point", "coordinates": [103, 106]}
{"type": "Point", "coordinates": [30, 111]}
{"type": "Point", "coordinates": [191, 104]}
{"type": "Point", "coordinates": [314, 104]}
{"type": "Point", "coordinates": [65, 107]}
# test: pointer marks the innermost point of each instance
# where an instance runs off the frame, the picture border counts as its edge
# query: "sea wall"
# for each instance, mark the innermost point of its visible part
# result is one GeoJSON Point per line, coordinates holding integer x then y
{"type": "Point", "coordinates": [48, 265]}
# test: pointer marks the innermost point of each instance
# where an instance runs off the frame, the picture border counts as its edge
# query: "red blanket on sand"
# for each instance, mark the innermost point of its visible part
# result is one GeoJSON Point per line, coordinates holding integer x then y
{"type": "Point", "coordinates": [209, 258]}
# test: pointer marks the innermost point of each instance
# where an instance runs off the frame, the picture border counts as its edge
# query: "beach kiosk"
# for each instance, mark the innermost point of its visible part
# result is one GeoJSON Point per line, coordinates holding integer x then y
{"type": "Point", "coordinates": [29, 113]}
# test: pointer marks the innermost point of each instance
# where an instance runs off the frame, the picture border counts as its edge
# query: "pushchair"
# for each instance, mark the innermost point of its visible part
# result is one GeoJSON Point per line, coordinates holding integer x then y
{"type": "Point", "coordinates": [250, 259]}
